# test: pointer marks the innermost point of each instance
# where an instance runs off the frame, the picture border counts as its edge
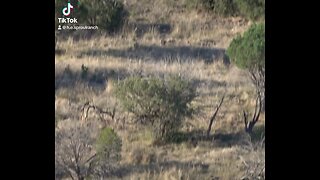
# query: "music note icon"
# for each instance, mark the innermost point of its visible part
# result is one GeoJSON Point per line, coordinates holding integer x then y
{"type": "Point", "coordinates": [67, 10]}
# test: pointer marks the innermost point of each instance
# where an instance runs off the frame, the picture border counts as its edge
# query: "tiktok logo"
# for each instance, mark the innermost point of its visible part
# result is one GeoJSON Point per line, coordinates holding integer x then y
{"type": "Point", "coordinates": [67, 10]}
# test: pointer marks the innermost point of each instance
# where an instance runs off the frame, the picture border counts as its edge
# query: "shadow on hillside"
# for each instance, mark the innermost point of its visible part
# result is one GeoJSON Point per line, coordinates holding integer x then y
{"type": "Point", "coordinates": [94, 78]}
{"type": "Point", "coordinates": [169, 53]}
{"type": "Point", "coordinates": [258, 133]}
{"type": "Point", "coordinates": [217, 140]}
{"type": "Point", "coordinates": [60, 51]}
{"type": "Point", "coordinates": [156, 167]}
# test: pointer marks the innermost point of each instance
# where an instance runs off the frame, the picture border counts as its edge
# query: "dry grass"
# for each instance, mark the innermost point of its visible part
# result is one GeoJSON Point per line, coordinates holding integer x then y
{"type": "Point", "coordinates": [110, 59]}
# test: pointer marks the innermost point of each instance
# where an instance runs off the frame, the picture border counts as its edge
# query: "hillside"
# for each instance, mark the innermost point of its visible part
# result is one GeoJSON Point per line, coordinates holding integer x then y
{"type": "Point", "coordinates": [163, 37]}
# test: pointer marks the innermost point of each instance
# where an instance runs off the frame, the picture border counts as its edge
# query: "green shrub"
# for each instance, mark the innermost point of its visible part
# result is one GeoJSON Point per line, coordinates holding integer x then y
{"type": "Point", "coordinates": [108, 145]}
{"type": "Point", "coordinates": [251, 9]}
{"type": "Point", "coordinates": [248, 51]}
{"type": "Point", "coordinates": [160, 103]}
{"type": "Point", "coordinates": [107, 14]}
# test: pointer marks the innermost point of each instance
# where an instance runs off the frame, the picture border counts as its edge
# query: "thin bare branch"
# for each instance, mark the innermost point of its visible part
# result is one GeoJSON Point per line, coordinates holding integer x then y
{"type": "Point", "coordinates": [245, 117]}
{"type": "Point", "coordinates": [214, 115]}
{"type": "Point", "coordinates": [87, 106]}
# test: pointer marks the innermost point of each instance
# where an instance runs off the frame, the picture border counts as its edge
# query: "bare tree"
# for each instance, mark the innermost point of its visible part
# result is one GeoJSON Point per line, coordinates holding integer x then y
{"type": "Point", "coordinates": [76, 153]}
{"type": "Point", "coordinates": [257, 76]}
{"type": "Point", "coordinates": [258, 79]}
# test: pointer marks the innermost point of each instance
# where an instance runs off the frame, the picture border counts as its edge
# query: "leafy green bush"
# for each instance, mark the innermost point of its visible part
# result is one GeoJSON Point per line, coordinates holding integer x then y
{"type": "Point", "coordinates": [248, 51]}
{"type": "Point", "coordinates": [250, 9]}
{"type": "Point", "coordinates": [107, 14]}
{"type": "Point", "coordinates": [108, 145]}
{"type": "Point", "coordinates": [160, 103]}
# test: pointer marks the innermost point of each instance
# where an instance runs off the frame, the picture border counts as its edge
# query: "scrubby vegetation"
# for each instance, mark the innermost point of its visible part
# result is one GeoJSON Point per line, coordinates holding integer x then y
{"type": "Point", "coordinates": [251, 9]}
{"type": "Point", "coordinates": [107, 14]}
{"type": "Point", "coordinates": [248, 51]}
{"type": "Point", "coordinates": [161, 103]}
{"type": "Point", "coordinates": [79, 154]}
{"type": "Point", "coordinates": [175, 92]}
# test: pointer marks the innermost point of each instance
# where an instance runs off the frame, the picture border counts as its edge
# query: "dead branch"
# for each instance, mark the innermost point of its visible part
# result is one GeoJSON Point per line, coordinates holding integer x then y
{"type": "Point", "coordinates": [87, 106]}
{"type": "Point", "coordinates": [214, 116]}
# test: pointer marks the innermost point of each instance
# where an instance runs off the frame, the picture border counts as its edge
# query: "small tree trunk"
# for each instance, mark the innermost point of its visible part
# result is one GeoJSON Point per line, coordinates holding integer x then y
{"type": "Point", "coordinates": [257, 111]}
{"type": "Point", "coordinates": [249, 128]}
{"type": "Point", "coordinates": [214, 116]}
